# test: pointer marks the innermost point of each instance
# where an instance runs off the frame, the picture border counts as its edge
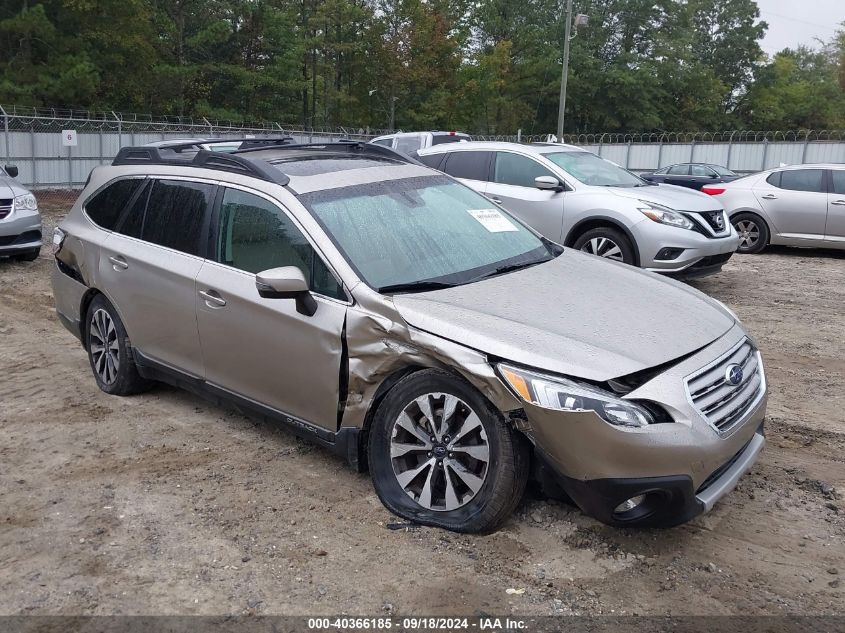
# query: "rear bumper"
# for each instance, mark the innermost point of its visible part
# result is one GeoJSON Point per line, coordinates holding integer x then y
{"type": "Point", "coordinates": [669, 500]}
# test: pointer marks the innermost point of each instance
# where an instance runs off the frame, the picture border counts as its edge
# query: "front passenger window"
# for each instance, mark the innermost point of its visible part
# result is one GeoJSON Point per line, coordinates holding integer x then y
{"type": "Point", "coordinates": [514, 169]}
{"type": "Point", "coordinates": [255, 235]}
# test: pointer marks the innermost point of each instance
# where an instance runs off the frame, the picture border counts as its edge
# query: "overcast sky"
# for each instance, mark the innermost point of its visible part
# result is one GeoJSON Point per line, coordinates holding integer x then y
{"type": "Point", "coordinates": [794, 22]}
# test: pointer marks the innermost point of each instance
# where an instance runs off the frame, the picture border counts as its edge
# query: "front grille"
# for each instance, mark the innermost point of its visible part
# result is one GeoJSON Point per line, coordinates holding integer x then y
{"type": "Point", "coordinates": [23, 238]}
{"type": "Point", "coordinates": [5, 207]}
{"type": "Point", "coordinates": [711, 260]}
{"type": "Point", "coordinates": [722, 404]}
{"type": "Point", "coordinates": [715, 221]}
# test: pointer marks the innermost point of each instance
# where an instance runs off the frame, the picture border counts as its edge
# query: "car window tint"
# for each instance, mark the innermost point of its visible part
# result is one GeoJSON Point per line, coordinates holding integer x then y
{"type": "Point", "coordinates": [679, 170]}
{"type": "Point", "coordinates": [255, 235]}
{"type": "Point", "coordinates": [176, 211]}
{"type": "Point", "coordinates": [133, 218]}
{"type": "Point", "coordinates": [774, 179]}
{"type": "Point", "coordinates": [514, 169]}
{"type": "Point", "coordinates": [387, 142]}
{"type": "Point", "coordinates": [838, 180]}
{"type": "Point", "coordinates": [431, 160]}
{"type": "Point", "coordinates": [408, 144]}
{"type": "Point", "coordinates": [701, 170]}
{"type": "Point", "coordinates": [106, 206]}
{"type": "Point", "coordinates": [470, 165]}
{"type": "Point", "coordinates": [802, 180]}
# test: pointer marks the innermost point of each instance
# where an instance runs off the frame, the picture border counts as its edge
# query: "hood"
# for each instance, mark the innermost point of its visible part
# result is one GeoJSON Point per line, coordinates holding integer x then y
{"type": "Point", "coordinates": [577, 315]}
{"type": "Point", "coordinates": [672, 196]}
{"type": "Point", "coordinates": [9, 187]}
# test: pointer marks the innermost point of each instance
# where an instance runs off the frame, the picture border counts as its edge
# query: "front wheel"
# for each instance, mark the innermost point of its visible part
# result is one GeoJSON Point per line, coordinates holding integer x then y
{"type": "Point", "coordinates": [607, 242]}
{"type": "Point", "coordinates": [441, 455]}
{"type": "Point", "coordinates": [109, 351]}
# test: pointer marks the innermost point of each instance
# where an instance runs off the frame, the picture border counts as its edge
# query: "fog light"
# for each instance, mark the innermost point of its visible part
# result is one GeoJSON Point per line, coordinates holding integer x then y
{"type": "Point", "coordinates": [628, 505]}
{"type": "Point", "coordinates": [668, 254]}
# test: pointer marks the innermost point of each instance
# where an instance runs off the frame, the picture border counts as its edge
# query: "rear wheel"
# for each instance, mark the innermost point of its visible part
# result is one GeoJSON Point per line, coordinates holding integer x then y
{"type": "Point", "coordinates": [109, 351]}
{"type": "Point", "coordinates": [607, 242]}
{"type": "Point", "coordinates": [441, 455]}
{"type": "Point", "coordinates": [753, 233]}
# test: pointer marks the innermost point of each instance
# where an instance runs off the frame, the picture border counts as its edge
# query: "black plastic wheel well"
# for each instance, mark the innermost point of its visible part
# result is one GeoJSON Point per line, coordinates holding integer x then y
{"type": "Point", "coordinates": [87, 298]}
{"type": "Point", "coordinates": [598, 223]}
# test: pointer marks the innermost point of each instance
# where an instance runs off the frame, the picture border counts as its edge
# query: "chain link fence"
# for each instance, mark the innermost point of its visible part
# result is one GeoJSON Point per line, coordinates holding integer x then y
{"type": "Point", "coordinates": [55, 165]}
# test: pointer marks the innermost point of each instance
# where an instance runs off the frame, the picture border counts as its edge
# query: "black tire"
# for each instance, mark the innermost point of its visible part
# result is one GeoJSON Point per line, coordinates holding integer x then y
{"type": "Point", "coordinates": [114, 368]}
{"type": "Point", "coordinates": [605, 238]}
{"type": "Point", "coordinates": [29, 256]}
{"type": "Point", "coordinates": [506, 471]}
{"type": "Point", "coordinates": [745, 224]}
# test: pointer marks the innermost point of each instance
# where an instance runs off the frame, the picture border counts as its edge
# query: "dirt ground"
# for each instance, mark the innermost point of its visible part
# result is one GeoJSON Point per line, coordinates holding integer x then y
{"type": "Point", "coordinates": [164, 504]}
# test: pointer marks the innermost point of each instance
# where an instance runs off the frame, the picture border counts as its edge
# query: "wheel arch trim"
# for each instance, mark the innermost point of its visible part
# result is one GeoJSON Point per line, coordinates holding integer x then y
{"type": "Point", "coordinates": [600, 221]}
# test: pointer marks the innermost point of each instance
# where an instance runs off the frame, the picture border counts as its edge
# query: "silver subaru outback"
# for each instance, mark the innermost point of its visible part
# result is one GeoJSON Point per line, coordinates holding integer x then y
{"type": "Point", "coordinates": [388, 312]}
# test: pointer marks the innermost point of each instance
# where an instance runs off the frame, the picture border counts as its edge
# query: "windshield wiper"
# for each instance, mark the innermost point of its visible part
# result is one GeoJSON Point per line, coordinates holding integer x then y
{"type": "Point", "coordinates": [508, 268]}
{"type": "Point", "coordinates": [415, 286]}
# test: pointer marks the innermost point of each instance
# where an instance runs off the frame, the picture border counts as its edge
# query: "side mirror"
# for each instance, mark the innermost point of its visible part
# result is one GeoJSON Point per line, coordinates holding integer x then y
{"type": "Point", "coordinates": [714, 176]}
{"type": "Point", "coordinates": [286, 282]}
{"type": "Point", "coordinates": [548, 183]}
{"type": "Point", "coordinates": [12, 170]}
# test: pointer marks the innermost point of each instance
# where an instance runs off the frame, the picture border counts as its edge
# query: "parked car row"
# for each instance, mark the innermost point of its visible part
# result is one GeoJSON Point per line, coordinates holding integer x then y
{"type": "Point", "coordinates": [386, 310]}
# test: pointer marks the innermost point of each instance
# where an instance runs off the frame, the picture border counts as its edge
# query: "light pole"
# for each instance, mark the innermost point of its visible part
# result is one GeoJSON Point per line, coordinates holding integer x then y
{"type": "Point", "coordinates": [580, 20]}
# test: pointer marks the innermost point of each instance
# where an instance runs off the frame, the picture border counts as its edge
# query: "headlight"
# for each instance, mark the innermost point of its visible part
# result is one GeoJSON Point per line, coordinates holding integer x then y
{"type": "Point", "coordinates": [563, 394]}
{"type": "Point", "coordinates": [664, 215]}
{"type": "Point", "coordinates": [27, 202]}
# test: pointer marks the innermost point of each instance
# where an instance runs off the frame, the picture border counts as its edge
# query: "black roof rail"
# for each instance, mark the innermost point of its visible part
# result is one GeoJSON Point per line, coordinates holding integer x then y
{"type": "Point", "coordinates": [343, 145]}
{"type": "Point", "coordinates": [204, 159]}
{"type": "Point", "coordinates": [245, 143]}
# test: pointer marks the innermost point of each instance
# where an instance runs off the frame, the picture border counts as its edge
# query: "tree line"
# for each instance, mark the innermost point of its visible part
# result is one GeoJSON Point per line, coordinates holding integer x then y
{"type": "Point", "coordinates": [485, 66]}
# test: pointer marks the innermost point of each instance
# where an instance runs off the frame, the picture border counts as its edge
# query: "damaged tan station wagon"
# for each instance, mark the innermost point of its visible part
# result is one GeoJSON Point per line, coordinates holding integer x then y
{"type": "Point", "coordinates": [386, 311]}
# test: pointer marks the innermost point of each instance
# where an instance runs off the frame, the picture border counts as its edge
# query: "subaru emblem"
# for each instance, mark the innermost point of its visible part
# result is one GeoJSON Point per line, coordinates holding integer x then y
{"type": "Point", "coordinates": [733, 375]}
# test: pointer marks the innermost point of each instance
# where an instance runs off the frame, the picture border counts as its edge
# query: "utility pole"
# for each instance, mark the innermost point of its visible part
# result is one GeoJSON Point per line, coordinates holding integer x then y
{"type": "Point", "coordinates": [564, 71]}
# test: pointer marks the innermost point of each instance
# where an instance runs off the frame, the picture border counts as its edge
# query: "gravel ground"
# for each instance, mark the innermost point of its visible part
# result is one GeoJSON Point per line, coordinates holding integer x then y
{"type": "Point", "coordinates": [165, 504]}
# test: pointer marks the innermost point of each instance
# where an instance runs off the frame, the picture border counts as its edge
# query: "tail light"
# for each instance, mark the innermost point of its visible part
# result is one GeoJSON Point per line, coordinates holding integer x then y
{"type": "Point", "coordinates": [58, 239]}
{"type": "Point", "coordinates": [712, 191]}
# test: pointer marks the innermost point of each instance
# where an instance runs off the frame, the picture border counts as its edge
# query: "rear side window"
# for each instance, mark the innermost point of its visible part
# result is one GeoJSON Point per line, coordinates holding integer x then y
{"type": "Point", "coordinates": [170, 213]}
{"type": "Point", "coordinates": [408, 144]}
{"type": "Point", "coordinates": [469, 165]}
{"type": "Point", "coordinates": [432, 160]}
{"type": "Point", "coordinates": [254, 235]}
{"type": "Point", "coordinates": [838, 176]}
{"type": "Point", "coordinates": [517, 170]}
{"type": "Point", "coordinates": [802, 180]}
{"type": "Point", "coordinates": [106, 206]}
{"type": "Point", "coordinates": [679, 170]}
{"type": "Point", "coordinates": [701, 170]}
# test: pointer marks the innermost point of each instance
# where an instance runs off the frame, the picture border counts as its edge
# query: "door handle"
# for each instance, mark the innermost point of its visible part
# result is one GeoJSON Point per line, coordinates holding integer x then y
{"type": "Point", "coordinates": [769, 196]}
{"type": "Point", "coordinates": [212, 299]}
{"type": "Point", "coordinates": [118, 263]}
{"type": "Point", "coordinates": [841, 203]}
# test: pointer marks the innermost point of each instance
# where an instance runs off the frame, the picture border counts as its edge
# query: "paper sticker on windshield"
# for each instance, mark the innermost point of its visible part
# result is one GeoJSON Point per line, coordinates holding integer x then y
{"type": "Point", "coordinates": [492, 220]}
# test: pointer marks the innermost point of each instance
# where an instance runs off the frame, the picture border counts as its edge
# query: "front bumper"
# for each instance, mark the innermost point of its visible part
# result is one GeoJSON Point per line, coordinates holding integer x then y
{"type": "Point", "coordinates": [20, 232]}
{"type": "Point", "coordinates": [693, 254]}
{"type": "Point", "coordinates": [683, 462]}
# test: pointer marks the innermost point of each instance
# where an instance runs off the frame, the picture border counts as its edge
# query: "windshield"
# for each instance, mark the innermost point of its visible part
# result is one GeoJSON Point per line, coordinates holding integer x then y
{"type": "Point", "coordinates": [593, 170]}
{"type": "Point", "coordinates": [722, 171]}
{"type": "Point", "coordinates": [423, 231]}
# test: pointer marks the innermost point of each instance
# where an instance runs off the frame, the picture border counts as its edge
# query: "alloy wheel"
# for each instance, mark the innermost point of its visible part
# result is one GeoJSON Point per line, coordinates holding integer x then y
{"type": "Point", "coordinates": [749, 234]}
{"type": "Point", "coordinates": [105, 351]}
{"type": "Point", "coordinates": [439, 451]}
{"type": "Point", "coordinates": [603, 247]}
